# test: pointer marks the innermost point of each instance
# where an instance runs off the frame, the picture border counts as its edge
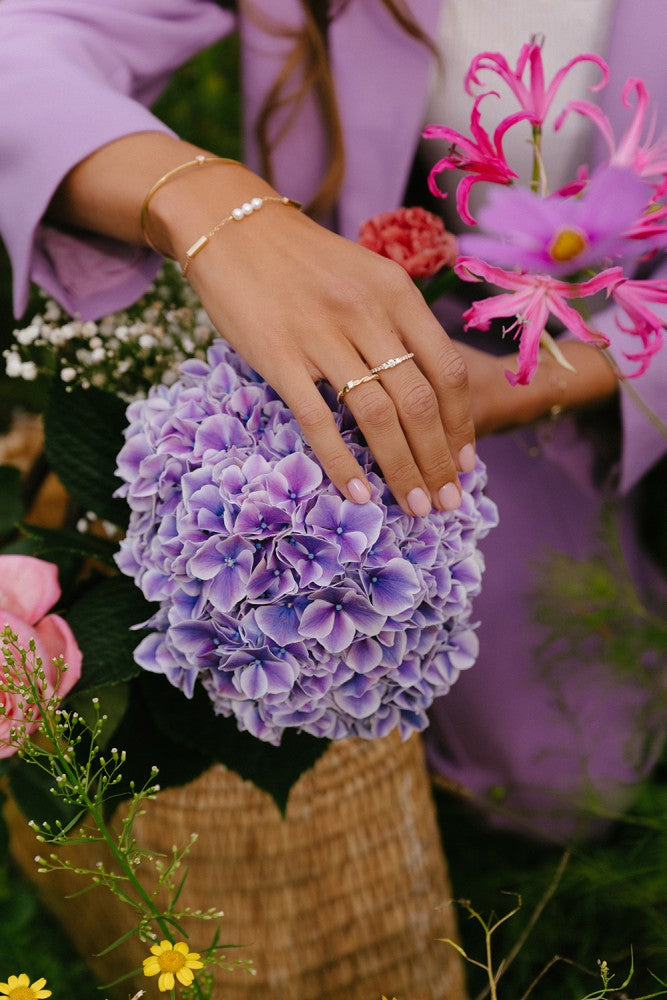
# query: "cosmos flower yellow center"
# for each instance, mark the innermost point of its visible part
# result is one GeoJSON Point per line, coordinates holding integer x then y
{"type": "Point", "coordinates": [567, 244]}
{"type": "Point", "coordinates": [22, 993]}
{"type": "Point", "coordinates": [171, 961]}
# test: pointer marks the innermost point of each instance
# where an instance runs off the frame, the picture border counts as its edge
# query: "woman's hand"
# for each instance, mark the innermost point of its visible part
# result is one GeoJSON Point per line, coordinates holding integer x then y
{"type": "Point", "coordinates": [299, 304]}
{"type": "Point", "coordinates": [302, 304]}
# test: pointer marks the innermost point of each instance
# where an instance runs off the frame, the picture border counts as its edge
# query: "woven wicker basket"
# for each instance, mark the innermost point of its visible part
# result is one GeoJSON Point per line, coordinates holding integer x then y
{"type": "Point", "coordinates": [344, 898]}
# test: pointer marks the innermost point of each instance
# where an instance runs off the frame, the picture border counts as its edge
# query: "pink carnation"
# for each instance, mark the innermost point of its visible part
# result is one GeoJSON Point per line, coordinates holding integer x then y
{"type": "Point", "coordinates": [28, 589]}
{"type": "Point", "coordinates": [414, 238]}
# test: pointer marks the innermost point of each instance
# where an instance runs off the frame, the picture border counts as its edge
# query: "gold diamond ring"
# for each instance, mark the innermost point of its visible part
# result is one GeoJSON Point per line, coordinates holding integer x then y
{"type": "Point", "coordinates": [353, 383]}
{"type": "Point", "coordinates": [385, 366]}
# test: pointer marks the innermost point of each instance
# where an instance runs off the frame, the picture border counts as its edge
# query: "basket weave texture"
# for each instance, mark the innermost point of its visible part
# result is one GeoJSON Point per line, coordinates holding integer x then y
{"type": "Point", "coordinates": [344, 898]}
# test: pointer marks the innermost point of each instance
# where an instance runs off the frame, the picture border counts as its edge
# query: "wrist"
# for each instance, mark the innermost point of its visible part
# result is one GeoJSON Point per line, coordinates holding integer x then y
{"type": "Point", "coordinates": [189, 204]}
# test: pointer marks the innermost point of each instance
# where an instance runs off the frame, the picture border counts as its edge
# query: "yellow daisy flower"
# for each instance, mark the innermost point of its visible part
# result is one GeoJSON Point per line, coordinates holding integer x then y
{"type": "Point", "coordinates": [20, 988]}
{"type": "Point", "coordinates": [171, 962]}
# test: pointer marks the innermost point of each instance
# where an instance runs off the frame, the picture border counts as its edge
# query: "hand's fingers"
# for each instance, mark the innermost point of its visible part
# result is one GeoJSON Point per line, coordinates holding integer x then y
{"type": "Point", "coordinates": [319, 428]}
{"type": "Point", "coordinates": [379, 421]}
{"type": "Point", "coordinates": [418, 412]}
{"type": "Point", "coordinates": [443, 367]}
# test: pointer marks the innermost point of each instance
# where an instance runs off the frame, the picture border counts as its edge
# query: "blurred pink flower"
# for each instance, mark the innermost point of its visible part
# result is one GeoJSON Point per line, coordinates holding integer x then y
{"type": "Point", "coordinates": [414, 238]}
{"type": "Point", "coordinates": [533, 298]}
{"type": "Point", "coordinates": [28, 589]}
{"type": "Point", "coordinates": [647, 158]}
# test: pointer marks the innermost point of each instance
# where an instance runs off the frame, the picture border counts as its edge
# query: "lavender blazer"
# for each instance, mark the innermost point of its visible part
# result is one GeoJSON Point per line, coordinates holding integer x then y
{"type": "Point", "coordinates": [535, 752]}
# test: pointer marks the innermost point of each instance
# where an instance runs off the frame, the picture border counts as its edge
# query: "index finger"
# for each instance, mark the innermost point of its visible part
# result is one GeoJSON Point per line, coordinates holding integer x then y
{"type": "Point", "coordinates": [319, 428]}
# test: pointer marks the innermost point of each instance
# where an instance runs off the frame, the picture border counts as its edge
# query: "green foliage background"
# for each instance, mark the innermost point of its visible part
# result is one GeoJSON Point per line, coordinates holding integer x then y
{"type": "Point", "coordinates": [614, 892]}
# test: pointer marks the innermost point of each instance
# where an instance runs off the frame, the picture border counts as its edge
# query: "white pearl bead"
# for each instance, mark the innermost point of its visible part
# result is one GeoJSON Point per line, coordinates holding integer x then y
{"type": "Point", "coordinates": [257, 203]}
{"type": "Point", "coordinates": [237, 213]}
{"type": "Point", "coordinates": [247, 208]}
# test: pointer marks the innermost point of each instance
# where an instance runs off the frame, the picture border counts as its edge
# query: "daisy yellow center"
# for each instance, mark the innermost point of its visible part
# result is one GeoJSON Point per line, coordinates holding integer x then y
{"type": "Point", "coordinates": [567, 245]}
{"type": "Point", "coordinates": [171, 961]}
{"type": "Point", "coordinates": [21, 993]}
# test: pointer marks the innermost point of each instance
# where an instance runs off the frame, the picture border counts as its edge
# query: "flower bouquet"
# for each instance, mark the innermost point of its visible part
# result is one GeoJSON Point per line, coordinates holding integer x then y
{"type": "Point", "coordinates": [258, 615]}
{"type": "Point", "coordinates": [272, 619]}
{"type": "Point", "coordinates": [553, 252]}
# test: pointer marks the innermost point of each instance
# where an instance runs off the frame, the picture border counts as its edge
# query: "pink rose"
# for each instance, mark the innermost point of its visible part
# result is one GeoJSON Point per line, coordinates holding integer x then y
{"type": "Point", "coordinates": [28, 588]}
{"type": "Point", "coordinates": [414, 238]}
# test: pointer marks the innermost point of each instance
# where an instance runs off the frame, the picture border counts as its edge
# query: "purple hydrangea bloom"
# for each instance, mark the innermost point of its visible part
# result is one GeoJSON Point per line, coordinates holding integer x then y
{"type": "Point", "coordinates": [292, 606]}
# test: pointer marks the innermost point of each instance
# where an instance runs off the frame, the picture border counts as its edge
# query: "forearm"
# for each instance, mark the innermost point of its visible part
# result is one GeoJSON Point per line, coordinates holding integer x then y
{"type": "Point", "coordinates": [499, 406]}
{"type": "Point", "coordinates": [104, 193]}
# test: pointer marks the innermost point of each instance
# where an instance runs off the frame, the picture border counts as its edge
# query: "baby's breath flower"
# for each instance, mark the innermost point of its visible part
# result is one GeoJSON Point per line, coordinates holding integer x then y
{"type": "Point", "coordinates": [125, 352]}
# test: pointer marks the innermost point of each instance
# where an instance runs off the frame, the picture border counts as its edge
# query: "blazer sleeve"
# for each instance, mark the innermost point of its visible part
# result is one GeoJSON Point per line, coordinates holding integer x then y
{"type": "Point", "coordinates": [74, 76]}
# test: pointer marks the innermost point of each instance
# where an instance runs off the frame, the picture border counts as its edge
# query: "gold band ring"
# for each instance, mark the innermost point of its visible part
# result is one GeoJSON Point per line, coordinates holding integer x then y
{"type": "Point", "coordinates": [353, 383]}
{"type": "Point", "coordinates": [392, 363]}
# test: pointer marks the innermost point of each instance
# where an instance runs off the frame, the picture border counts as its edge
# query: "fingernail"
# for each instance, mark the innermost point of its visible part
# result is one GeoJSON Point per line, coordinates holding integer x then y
{"type": "Point", "coordinates": [467, 458]}
{"type": "Point", "coordinates": [359, 491]}
{"type": "Point", "coordinates": [449, 497]}
{"type": "Point", "coordinates": [419, 503]}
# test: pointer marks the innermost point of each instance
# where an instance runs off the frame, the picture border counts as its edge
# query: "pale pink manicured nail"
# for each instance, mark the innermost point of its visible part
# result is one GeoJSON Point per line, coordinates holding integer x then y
{"type": "Point", "coordinates": [420, 505]}
{"type": "Point", "coordinates": [467, 458]}
{"type": "Point", "coordinates": [358, 490]}
{"type": "Point", "coordinates": [449, 497]}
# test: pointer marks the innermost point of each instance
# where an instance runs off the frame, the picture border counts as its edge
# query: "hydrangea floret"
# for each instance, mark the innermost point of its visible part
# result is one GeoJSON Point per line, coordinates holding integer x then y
{"type": "Point", "coordinates": [293, 606]}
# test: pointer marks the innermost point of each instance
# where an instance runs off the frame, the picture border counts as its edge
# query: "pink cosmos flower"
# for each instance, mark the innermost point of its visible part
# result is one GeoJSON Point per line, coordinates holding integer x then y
{"type": "Point", "coordinates": [28, 588]}
{"type": "Point", "coordinates": [533, 298]}
{"type": "Point", "coordinates": [560, 235]}
{"type": "Point", "coordinates": [534, 98]}
{"type": "Point", "coordinates": [482, 156]}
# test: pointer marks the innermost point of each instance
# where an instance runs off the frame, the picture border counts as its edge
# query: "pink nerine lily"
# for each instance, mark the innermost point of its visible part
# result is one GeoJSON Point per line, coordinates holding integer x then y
{"type": "Point", "coordinates": [533, 298]}
{"type": "Point", "coordinates": [633, 297]}
{"type": "Point", "coordinates": [648, 159]}
{"type": "Point", "coordinates": [481, 155]}
{"type": "Point", "coordinates": [535, 99]}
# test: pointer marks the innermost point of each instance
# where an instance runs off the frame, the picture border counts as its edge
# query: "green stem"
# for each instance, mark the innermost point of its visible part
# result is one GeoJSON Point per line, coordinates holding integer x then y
{"type": "Point", "coordinates": [441, 283]}
{"type": "Point", "coordinates": [537, 159]}
{"type": "Point", "coordinates": [489, 967]}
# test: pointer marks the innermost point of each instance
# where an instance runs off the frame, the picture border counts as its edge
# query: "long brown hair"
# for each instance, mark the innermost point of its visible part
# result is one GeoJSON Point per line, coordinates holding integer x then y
{"type": "Point", "coordinates": [309, 56]}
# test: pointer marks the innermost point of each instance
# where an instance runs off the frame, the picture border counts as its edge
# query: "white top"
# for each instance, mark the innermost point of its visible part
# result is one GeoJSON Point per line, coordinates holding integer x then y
{"type": "Point", "coordinates": [467, 27]}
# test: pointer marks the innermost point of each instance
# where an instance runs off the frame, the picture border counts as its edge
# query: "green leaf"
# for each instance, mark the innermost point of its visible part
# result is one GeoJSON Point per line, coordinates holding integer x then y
{"type": "Point", "coordinates": [102, 621]}
{"type": "Point", "coordinates": [11, 504]}
{"type": "Point", "coordinates": [49, 540]}
{"type": "Point", "coordinates": [193, 723]}
{"type": "Point", "coordinates": [83, 435]}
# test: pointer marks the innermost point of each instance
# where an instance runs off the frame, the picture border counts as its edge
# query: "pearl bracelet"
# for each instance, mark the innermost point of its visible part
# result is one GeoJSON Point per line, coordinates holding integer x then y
{"type": "Point", "coordinates": [236, 215]}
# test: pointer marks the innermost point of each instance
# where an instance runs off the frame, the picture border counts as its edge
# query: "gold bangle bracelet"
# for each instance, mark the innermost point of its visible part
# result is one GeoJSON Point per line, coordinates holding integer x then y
{"type": "Point", "coordinates": [236, 215]}
{"type": "Point", "coordinates": [199, 161]}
